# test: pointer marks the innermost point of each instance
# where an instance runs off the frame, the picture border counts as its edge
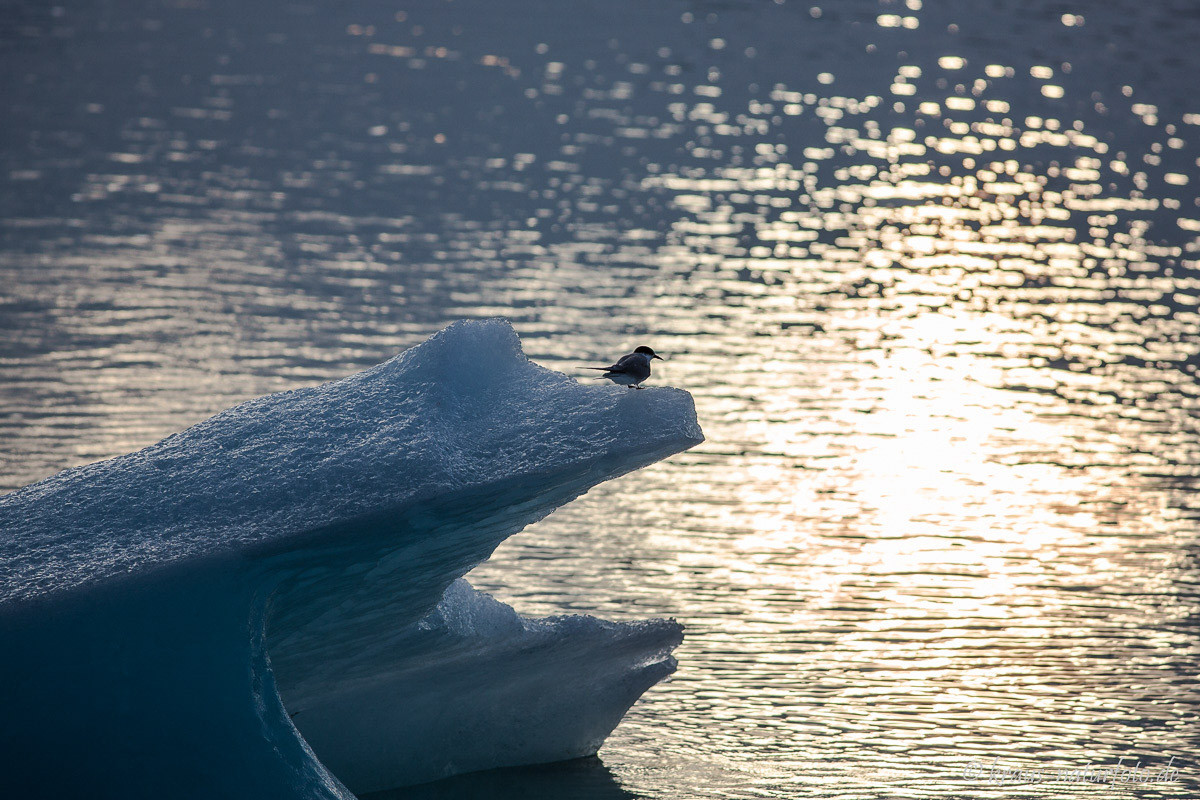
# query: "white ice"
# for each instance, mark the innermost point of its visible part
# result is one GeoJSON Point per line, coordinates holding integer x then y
{"type": "Point", "coordinates": [166, 616]}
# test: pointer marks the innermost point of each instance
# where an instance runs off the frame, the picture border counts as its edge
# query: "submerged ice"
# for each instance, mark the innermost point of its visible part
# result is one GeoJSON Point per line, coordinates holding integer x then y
{"type": "Point", "coordinates": [270, 603]}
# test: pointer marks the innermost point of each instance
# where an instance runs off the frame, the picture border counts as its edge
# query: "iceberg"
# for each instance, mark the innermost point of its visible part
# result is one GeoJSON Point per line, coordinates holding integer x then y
{"type": "Point", "coordinates": [271, 603]}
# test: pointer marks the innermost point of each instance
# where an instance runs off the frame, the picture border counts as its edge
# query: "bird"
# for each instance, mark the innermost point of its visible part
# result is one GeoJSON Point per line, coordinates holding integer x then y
{"type": "Point", "coordinates": [630, 370]}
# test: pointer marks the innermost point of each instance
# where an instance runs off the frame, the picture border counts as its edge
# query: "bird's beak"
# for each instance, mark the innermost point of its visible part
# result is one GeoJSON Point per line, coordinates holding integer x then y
{"type": "Point", "coordinates": [660, 358]}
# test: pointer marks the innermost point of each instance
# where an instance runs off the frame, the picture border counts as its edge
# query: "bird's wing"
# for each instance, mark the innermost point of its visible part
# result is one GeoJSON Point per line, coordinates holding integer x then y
{"type": "Point", "coordinates": [624, 364]}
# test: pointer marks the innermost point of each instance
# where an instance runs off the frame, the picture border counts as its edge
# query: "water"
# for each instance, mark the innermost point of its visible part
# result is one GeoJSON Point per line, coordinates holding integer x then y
{"type": "Point", "coordinates": [929, 272]}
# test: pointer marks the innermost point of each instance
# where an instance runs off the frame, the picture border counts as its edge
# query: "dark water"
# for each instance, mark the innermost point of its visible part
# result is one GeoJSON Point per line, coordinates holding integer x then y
{"type": "Point", "coordinates": [930, 273]}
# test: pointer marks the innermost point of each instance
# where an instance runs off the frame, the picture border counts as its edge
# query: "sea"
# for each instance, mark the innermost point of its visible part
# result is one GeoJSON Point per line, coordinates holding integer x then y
{"type": "Point", "coordinates": [930, 270]}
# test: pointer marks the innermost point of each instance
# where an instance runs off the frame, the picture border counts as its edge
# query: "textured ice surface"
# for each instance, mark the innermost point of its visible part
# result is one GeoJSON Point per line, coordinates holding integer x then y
{"type": "Point", "coordinates": [477, 686]}
{"type": "Point", "coordinates": [159, 610]}
{"type": "Point", "coordinates": [464, 409]}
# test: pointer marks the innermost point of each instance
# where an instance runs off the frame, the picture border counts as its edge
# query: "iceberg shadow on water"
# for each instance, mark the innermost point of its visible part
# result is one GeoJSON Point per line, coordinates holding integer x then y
{"type": "Point", "coordinates": [578, 779]}
{"type": "Point", "coordinates": [270, 603]}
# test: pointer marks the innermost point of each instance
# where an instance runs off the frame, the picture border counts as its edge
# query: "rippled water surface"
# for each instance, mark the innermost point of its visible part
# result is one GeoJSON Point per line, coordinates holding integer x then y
{"type": "Point", "coordinates": [930, 273]}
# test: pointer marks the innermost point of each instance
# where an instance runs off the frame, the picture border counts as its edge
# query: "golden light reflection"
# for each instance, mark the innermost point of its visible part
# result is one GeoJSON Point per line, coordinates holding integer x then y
{"type": "Point", "coordinates": [937, 305]}
{"type": "Point", "coordinates": [928, 526]}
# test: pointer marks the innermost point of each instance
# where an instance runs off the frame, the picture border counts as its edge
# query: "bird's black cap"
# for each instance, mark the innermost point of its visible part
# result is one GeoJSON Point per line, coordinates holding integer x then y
{"type": "Point", "coordinates": [647, 351]}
